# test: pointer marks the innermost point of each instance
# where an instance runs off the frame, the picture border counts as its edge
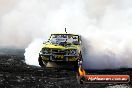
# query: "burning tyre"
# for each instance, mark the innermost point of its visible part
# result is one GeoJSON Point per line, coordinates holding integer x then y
{"type": "Point", "coordinates": [81, 75]}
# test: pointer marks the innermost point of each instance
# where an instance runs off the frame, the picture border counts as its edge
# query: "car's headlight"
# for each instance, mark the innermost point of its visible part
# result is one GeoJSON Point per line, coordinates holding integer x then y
{"type": "Point", "coordinates": [46, 51]}
{"type": "Point", "coordinates": [72, 52]}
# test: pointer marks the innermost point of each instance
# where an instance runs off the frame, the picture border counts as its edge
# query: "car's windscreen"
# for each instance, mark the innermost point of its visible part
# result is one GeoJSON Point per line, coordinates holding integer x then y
{"type": "Point", "coordinates": [58, 38]}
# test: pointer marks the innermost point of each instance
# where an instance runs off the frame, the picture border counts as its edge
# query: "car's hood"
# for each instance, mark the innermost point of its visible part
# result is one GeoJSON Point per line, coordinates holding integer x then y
{"type": "Point", "coordinates": [50, 45]}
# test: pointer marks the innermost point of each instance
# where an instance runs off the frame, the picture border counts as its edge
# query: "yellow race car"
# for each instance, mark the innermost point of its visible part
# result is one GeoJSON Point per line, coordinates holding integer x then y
{"type": "Point", "coordinates": [61, 50]}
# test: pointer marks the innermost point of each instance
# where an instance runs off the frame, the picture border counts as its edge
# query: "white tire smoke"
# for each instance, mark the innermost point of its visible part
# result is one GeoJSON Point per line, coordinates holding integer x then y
{"type": "Point", "coordinates": [32, 52]}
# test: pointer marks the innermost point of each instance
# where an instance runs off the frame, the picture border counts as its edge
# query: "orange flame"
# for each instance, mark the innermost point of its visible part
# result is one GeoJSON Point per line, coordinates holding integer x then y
{"type": "Point", "coordinates": [81, 71]}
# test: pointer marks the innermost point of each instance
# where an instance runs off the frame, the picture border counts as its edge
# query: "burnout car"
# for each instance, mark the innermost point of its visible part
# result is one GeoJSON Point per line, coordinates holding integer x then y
{"type": "Point", "coordinates": [61, 50]}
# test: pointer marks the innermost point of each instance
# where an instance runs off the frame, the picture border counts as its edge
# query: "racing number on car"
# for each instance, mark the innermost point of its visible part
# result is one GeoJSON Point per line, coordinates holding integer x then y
{"type": "Point", "coordinates": [59, 56]}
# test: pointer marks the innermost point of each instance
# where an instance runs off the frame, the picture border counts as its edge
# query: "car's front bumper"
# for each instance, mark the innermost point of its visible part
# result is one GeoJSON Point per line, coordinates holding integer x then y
{"type": "Point", "coordinates": [54, 57]}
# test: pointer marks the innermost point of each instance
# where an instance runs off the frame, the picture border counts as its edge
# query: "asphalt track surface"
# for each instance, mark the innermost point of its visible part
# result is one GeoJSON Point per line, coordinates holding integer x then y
{"type": "Point", "coordinates": [15, 73]}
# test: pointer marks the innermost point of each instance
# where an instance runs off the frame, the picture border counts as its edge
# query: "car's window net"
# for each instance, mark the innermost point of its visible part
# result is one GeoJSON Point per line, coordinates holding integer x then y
{"type": "Point", "coordinates": [58, 38]}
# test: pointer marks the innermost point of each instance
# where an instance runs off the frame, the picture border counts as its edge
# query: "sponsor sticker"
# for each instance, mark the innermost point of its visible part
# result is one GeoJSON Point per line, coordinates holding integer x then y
{"type": "Point", "coordinates": [59, 56]}
{"type": "Point", "coordinates": [107, 78]}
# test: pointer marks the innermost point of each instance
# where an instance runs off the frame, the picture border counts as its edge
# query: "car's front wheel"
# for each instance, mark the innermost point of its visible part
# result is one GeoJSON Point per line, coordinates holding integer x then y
{"type": "Point", "coordinates": [41, 63]}
{"type": "Point", "coordinates": [76, 64]}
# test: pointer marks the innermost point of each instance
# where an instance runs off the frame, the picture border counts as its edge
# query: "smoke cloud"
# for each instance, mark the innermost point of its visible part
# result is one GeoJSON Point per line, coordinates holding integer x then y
{"type": "Point", "coordinates": [105, 26]}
